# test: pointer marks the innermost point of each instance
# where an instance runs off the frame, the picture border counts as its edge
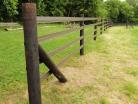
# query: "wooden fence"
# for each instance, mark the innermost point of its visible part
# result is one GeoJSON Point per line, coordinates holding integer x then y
{"type": "Point", "coordinates": [35, 54]}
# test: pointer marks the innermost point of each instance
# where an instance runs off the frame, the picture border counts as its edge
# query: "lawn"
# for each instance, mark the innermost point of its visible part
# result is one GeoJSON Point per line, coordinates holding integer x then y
{"type": "Point", "coordinates": [92, 78]}
{"type": "Point", "coordinates": [12, 61]}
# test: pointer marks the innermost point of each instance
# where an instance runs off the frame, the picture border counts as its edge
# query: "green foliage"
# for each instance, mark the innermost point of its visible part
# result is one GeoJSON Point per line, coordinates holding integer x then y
{"type": "Point", "coordinates": [131, 71]}
{"type": "Point", "coordinates": [119, 11]}
{"type": "Point", "coordinates": [126, 11]}
{"type": "Point", "coordinates": [55, 7]}
{"type": "Point", "coordinates": [113, 8]}
{"type": "Point", "coordinates": [102, 10]}
{"type": "Point", "coordinates": [116, 10]}
{"type": "Point", "coordinates": [134, 3]}
{"type": "Point", "coordinates": [130, 89]}
{"type": "Point", "coordinates": [104, 100]}
{"type": "Point", "coordinates": [41, 8]}
{"type": "Point", "coordinates": [8, 9]}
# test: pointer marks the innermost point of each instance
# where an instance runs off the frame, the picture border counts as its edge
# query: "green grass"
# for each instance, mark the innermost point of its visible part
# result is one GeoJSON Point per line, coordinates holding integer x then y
{"type": "Point", "coordinates": [130, 89]}
{"type": "Point", "coordinates": [12, 59]}
{"type": "Point", "coordinates": [131, 71]}
{"type": "Point", "coordinates": [55, 96]}
{"type": "Point", "coordinates": [134, 37]}
{"type": "Point", "coordinates": [108, 50]}
{"type": "Point", "coordinates": [104, 101]}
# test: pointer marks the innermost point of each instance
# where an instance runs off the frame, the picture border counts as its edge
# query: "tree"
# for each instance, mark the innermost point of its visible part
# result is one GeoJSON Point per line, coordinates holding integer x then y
{"type": "Point", "coordinates": [119, 11]}
{"type": "Point", "coordinates": [101, 10]}
{"type": "Point", "coordinates": [91, 8]}
{"type": "Point", "coordinates": [126, 12]}
{"type": "Point", "coordinates": [1, 10]}
{"type": "Point", "coordinates": [113, 7]}
{"type": "Point", "coordinates": [8, 9]}
{"type": "Point", "coordinates": [95, 8]}
{"type": "Point", "coordinates": [41, 6]}
{"type": "Point", "coordinates": [55, 7]}
{"type": "Point", "coordinates": [74, 8]}
{"type": "Point", "coordinates": [134, 3]}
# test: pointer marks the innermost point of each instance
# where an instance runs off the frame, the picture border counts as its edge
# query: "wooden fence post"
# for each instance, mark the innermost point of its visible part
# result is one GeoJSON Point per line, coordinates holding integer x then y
{"type": "Point", "coordinates": [31, 52]}
{"type": "Point", "coordinates": [95, 32]}
{"type": "Point", "coordinates": [110, 23]}
{"type": "Point", "coordinates": [104, 25]}
{"type": "Point", "coordinates": [101, 29]}
{"type": "Point", "coordinates": [82, 40]}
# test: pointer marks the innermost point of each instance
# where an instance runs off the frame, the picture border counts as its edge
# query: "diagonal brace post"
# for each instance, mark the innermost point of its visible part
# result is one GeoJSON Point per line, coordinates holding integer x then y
{"type": "Point", "coordinates": [44, 58]}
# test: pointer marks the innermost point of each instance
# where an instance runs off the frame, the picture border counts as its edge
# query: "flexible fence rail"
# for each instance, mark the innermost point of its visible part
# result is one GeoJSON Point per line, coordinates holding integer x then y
{"type": "Point", "coordinates": [36, 55]}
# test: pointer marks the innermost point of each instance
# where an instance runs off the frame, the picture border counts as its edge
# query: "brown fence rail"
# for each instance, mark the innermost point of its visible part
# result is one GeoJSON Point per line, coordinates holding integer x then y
{"type": "Point", "coordinates": [35, 54]}
{"type": "Point", "coordinates": [63, 19]}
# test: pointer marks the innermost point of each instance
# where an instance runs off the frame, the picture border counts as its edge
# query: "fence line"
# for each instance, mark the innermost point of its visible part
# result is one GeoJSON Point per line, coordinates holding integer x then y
{"type": "Point", "coordinates": [36, 55]}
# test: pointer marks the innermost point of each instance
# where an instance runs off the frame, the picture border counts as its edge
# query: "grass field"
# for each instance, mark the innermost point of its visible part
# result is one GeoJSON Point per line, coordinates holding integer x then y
{"type": "Point", "coordinates": [107, 74]}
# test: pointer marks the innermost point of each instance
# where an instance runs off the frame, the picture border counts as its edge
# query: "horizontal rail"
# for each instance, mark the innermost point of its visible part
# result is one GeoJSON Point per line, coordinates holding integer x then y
{"type": "Point", "coordinates": [65, 32]}
{"type": "Point", "coordinates": [98, 23]}
{"type": "Point", "coordinates": [52, 53]}
{"type": "Point", "coordinates": [42, 19]}
{"type": "Point", "coordinates": [71, 54]}
{"type": "Point", "coordinates": [57, 34]}
{"type": "Point", "coordinates": [45, 76]}
{"type": "Point", "coordinates": [10, 24]}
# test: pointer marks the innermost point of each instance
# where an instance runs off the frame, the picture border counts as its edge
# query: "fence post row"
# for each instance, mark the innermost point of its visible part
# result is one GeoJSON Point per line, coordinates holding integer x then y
{"type": "Point", "coordinates": [31, 52]}
{"type": "Point", "coordinates": [82, 39]}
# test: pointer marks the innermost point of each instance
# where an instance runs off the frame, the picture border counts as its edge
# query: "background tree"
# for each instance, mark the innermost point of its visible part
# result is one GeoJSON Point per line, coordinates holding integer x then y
{"type": "Point", "coordinates": [134, 3]}
{"type": "Point", "coordinates": [101, 10]}
{"type": "Point", "coordinates": [8, 10]}
{"type": "Point", "coordinates": [55, 7]}
{"type": "Point", "coordinates": [119, 11]}
{"type": "Point", "coordinates": [41, 6]}
{"type": "Point", "coordinates": [113, 7]}
{"type": "Point", "coordinates": [126, 12]}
